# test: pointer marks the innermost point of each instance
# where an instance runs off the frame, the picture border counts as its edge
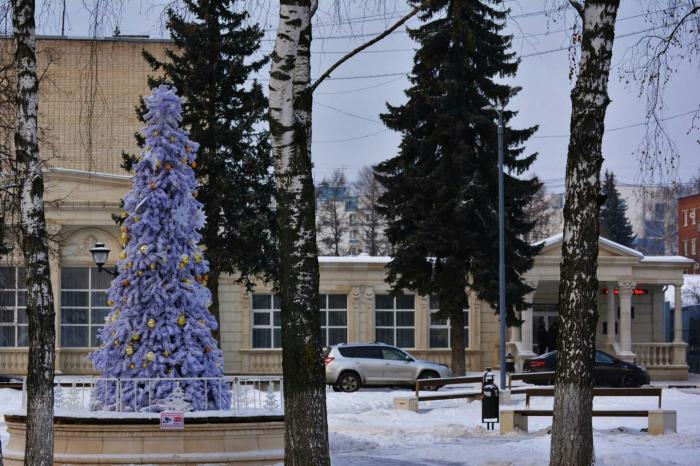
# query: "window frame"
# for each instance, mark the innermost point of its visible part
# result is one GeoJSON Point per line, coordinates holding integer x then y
{"type": "Point", "coordinates": [274, 344]}
{"type": "Point", "coordinates": [15, 308]}
{"type": "Point", "coordinates": [90, 325]}
{"type": "Point", "coordinates": [395, 312]}
{"type": "Point", "coordinates": [446, 326]}
{"type": "Point", "coordinates": [325, 329]}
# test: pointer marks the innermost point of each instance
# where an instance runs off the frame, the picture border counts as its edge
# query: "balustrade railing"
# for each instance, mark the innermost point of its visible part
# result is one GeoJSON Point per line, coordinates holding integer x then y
{"type": "Point", "coordinates": [249, 395]}
{"type": "Point", "coordinates": [654, 354]}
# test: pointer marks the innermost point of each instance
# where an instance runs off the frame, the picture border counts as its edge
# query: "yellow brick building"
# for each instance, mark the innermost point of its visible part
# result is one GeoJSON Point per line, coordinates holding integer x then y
{"type": "Point", "coordinates": [88, 94]}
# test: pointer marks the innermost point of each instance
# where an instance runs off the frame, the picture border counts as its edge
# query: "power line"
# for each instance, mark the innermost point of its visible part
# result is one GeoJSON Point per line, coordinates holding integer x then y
{"type": "Point", "coordinates": [359, 89]}
{"type": "Point", "coordinates": [365, 136]}
{"type": "Point", "coordinates": [619, 128]}
{"type": "Point", "coordinates": [359, 117]}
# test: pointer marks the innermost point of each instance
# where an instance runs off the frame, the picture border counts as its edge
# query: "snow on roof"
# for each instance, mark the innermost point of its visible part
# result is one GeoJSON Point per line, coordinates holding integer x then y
{"type": "Point", "coordinates": [361, 259]}
{"type": "Point", "coordinates": [559, 237]}
{"type": "Point", "coordinates": [668, 259]}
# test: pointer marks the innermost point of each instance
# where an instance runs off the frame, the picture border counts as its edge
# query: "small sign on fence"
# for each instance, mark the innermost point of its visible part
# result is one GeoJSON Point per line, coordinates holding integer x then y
{"type": "Point", "coordinates": [171, 421]}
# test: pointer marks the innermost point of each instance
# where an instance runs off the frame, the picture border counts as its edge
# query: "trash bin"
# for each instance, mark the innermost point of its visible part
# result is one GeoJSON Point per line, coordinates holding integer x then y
{"type": "Point", "coordinates": [489, 400]}
{"type": "Point", "coordinates": [510, 363]}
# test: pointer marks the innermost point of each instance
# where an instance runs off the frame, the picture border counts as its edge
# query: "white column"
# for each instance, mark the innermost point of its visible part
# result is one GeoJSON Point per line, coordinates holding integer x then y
{"type": "Point", "coordinates": [611, 314]}
{"type": "Point", "coordinates": [515, 333]}
{"type": "Point", "coordinates": [678, 314]}
{"type": "Point", "coordinates": [354, 314]}
{"type": "Point", "coordinates": [626, 290]}
{"type": "Point", "coordinates": [679, 346]}
{"type": "Point", "coordinates": [527, 326]}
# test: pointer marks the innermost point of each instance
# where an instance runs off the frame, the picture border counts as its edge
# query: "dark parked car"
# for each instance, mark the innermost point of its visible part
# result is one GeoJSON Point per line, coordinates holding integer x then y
{"type": "Point", "coordinates": [609, 371]}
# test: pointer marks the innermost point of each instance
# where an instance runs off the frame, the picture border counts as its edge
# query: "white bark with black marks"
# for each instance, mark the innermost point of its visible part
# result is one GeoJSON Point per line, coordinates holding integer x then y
{"type": "Point", "coordinates": [306, 433]}
{"type": "Point", "coordinates": [572, 433]}
{"type": "Point", "coordinates": [40, 311]}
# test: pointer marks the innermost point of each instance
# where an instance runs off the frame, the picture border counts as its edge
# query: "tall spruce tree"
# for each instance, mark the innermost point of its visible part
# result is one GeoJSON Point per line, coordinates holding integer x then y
{"type": "Point", "coordinates": [441, 189]}
{"type": "Point", "coordinates": [212, 59]}
{"type": "Point", "coordinates": [614, 224]}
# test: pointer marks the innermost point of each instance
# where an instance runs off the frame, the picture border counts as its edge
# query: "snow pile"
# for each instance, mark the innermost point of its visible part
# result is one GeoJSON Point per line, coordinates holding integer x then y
{"type": "Point", "coordinates": [366, 431]}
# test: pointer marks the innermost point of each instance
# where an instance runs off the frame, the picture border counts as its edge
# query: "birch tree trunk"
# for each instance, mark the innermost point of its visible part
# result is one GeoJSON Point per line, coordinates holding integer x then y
{"type": "Point", "coordinates": [306, 433]}
{"type": "Point", "coordinates": [40, 311]}
{"type": "Point", "coordinates": [572, 433]}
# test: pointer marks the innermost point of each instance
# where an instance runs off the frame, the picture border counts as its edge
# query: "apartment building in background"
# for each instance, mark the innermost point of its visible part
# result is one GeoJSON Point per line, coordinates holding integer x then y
{"type": "Point", "coordinates": [689, 229]}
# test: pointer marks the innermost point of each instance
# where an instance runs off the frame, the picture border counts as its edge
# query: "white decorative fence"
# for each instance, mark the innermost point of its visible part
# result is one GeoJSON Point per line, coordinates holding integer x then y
{"type": "Point", "coordinates": [257, 395]}
{"type": "Point", "coordinates": [654, 354]}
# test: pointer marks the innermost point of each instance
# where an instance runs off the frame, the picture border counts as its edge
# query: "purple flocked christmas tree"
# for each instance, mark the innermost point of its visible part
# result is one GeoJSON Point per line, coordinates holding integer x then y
{"type": "Point", "coordinates": [159, 325]}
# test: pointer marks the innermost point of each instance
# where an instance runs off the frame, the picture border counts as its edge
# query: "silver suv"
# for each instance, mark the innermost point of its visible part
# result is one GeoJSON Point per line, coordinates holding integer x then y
{"type": "Point", "coordinates": [349, 366]}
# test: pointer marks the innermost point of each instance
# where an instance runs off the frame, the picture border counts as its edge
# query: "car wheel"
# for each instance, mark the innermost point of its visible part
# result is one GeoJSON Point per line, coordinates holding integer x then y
{"type": "Point", "coordinates": [335, 388]}
{"type": "Point", "coordinates": [630, 380]}
{"type": "Point", "coordinates": [430, 375]}
{"type": "Point", "coordinates": [348, 382]}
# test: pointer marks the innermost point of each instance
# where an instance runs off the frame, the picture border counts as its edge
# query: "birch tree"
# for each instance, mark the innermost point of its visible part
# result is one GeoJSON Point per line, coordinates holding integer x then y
{"type": "Point", "coordinates": [290, 101]}
{"type": "Point", "coordinates": [572, 433]}
{"type": "Point", "coordinates": [34, 239]}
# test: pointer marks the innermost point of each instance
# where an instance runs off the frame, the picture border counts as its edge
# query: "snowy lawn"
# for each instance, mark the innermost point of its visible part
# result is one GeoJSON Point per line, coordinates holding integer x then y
{"type": "Point", "coordinates": [365, 430]}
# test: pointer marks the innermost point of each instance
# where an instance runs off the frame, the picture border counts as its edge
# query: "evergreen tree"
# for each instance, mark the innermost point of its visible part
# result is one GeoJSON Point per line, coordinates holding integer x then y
{"type": "Point", "coordinates": [210, 65]}
{"type": "Point", "coordinates": [614, 224]}
{"type": "Point", "coordinates": [159, 325]}
{"type": "Point", "coordinates": [441, 198]}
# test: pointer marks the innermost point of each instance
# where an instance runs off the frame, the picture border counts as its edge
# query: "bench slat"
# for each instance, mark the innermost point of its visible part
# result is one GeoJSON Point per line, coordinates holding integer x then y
{"type": "Point", "coordinates": [596, 413]}
{"type": "Point", "coordinates": [451, 396]}
{"type": "Point", "coordinates": [599, 391]}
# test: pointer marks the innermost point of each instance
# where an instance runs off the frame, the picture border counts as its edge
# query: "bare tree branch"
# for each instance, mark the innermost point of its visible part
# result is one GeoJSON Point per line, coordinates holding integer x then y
{"type": "Point", "coordinates": [368, 44]}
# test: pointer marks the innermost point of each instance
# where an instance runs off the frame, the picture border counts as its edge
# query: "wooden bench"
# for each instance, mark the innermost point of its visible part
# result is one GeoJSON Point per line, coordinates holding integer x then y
{"type": "Point", "coordinates": [659, 421]}
{"type": "Point", "coordinates": [546, 378]}
{"type": "Point", "coordinates": [411, 403]}
{"type": "Point", "coordinates": [602, 391]}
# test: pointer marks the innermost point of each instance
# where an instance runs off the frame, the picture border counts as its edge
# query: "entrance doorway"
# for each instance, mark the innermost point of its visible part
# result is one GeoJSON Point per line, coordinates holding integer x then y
{"type": "Point", "coordinates": [548, 315]}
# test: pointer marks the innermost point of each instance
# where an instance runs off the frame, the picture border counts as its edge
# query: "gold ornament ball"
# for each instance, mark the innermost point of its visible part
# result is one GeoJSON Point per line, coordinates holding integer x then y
{"type": "Point", "coordinates": [122, 255]}
{"type": "Point", "coordinates": [110, 302]}
{"type": "Point", "coordinates": [153, 266]}
{"type": "Point", "coordinates": [181, 320]}
{"type": "Point", "coordinates": [140, 273]}
{"type": "Point", "coordinates": [129, 350]}
{"type": "Point", "coordinates": [198, 258]}
{"type": "Point", "coordinates": [201, 322]}
{"type": "Point", "coordinates": [145, 365]}
{"type": "Point", "coordinates": [151, 323]}
{"type": "Point", "coordinates": [185, 258]}
{"type": "Point", "coordinates": [157, 163]}
{"type": "Point", "coordinates": [150, 356]}
{"type": "Point", "coordinates": [135, 336]}
{"type": "Point", "coordinates": [132, 366]}
{"type": "Point", "coordinates": [143, 248]}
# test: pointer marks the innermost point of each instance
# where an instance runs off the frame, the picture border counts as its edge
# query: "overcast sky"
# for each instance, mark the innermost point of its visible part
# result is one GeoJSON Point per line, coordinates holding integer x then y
{"type": "Point", "coordinates": [347, 133]}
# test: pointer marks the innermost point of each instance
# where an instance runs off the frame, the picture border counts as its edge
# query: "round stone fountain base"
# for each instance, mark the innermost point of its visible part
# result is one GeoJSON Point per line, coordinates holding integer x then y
{"type": "Point", "coordinates": [234, 440]}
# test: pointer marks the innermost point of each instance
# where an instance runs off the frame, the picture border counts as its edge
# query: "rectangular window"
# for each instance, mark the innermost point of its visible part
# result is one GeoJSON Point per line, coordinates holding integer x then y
{"type": "Point", "coordinates": [440, 333]}
{"type": "Point", "coordinates": [692, 216]}
{"type": "Point", "coordinates": [83, 305]}
{"type": "Point", "coordinates": [334, 319]}
{"type": "Point", "coordinates": [13, 307]}
{"type": "Point", "coordinates": [395, 319]}
{"type": "Point", "coordinates": [685, 247]}
{"type": "Point", "coordinates": [685, 218]}
{"type": "Point", "coordinates": [693, 246]}
{"type": "Point", "coordinates": [267, 320]}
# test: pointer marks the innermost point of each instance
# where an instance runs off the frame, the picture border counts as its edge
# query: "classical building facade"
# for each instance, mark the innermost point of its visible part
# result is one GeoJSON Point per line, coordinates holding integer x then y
{"type": "Point", "coordinates": [85, 185]}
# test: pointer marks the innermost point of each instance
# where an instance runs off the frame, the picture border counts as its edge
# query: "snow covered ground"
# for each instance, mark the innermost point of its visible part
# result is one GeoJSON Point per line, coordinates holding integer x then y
{"type": "Point", "coordinates": [366, 431]}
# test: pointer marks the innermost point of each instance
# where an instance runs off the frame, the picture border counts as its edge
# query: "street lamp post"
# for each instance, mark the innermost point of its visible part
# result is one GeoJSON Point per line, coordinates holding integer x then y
{"type": "Point", "coordinates": [100, 253]}
{"type": "Point", "coordinates": [501, 236]}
